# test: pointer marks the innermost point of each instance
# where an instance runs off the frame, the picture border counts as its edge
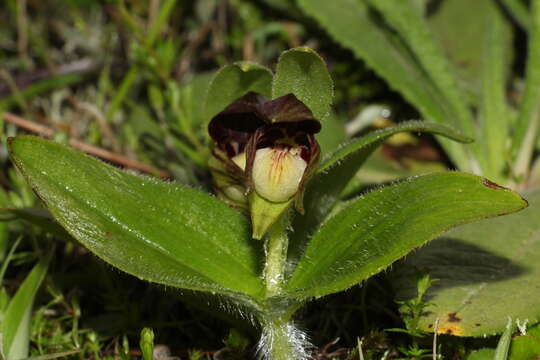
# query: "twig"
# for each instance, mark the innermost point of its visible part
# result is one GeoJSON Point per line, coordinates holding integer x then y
{"type": "Point", "coordinates": [90, 149]}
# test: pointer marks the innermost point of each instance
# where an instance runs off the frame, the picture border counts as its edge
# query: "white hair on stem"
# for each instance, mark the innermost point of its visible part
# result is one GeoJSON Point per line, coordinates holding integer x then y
{"type": "Point", "coordinates": [297, 340]}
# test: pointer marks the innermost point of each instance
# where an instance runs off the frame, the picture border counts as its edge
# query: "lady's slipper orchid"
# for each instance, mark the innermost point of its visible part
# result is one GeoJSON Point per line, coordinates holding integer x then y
{"type": "Point", "coordinates": [266, 151]}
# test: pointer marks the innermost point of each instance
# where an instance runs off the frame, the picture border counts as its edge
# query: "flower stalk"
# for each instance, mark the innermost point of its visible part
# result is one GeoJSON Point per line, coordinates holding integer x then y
{"type": "Point", "coordinates": [280, 340]}
{"type": "Point", "coordinates": [276, 257]}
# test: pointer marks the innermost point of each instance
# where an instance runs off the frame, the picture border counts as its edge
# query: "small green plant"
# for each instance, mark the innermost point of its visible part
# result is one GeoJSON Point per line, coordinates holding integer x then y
{"type": "Point", "coordinates": [147, 343]}
{"type": "Point", "coordinates": [411, 312]}
{"type": "Point", "coordinates": [266, 159]}
{"type": "Point", "coordinates": [413, 309]}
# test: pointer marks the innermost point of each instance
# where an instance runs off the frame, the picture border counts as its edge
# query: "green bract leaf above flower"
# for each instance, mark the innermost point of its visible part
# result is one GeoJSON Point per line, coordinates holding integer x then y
{"type": "Point", "coordinates": [232, 82]}
{"type": "Point", "coordinates": [302, 72]}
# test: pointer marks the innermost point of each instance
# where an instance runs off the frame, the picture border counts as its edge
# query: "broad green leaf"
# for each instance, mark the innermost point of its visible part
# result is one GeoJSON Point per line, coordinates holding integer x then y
{"type": "Point", "coordinates": [351, 24]}
{"type": "Point", "coordinates": [416, 33]}
{"type": "Point", "coordinates": [339, 167]}
{"type": "Point", "coordinates": [15, 328]}
{"type": "Point", "coordinates": [486, 272]}
{"type": "Point", "coordinates": [232, 82]}
{"type": "Point", "coordinates": [161, 232]}
{"type": "Point", "coordinates": [302, 72]}
{"type": "Point", "coordinates": [378, 228]}
{"type": "Point", "coordinates": [528, 123]}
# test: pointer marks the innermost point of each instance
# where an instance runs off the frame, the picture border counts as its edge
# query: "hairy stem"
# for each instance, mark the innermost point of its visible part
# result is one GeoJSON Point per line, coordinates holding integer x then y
{"type": "Point", "coordinates": [280, 339]}
{"type": "Point", "coordinates": [276, 256]}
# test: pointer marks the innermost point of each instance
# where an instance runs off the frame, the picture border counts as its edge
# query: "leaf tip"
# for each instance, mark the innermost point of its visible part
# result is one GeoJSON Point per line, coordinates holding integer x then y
{"type": "Point", "coordinates": [305, 49]}
{"type": "Point", "coordinates": [12, 140]}
{"type": "Point", "coordinates": [11, 143]}
{"type": "Point", "coordinates": [523, 202]}
{"type": "Point", "coordinates": [490, 184]}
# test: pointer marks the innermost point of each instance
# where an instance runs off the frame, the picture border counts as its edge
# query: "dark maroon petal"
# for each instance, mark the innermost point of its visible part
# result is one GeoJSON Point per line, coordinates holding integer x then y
{"type": "Point", "coordinates": [288, 109]}
{"type": "Point", "coordinates": [232, 128]}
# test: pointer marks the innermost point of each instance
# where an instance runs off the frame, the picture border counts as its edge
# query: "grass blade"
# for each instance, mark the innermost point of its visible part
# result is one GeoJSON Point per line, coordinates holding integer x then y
{"type": "Point", "coordinates": [494, 114]}
{"type": "Point", "coordinates": [527, 126]}
{"type": "Point", "coordinates": [16, 324]}
{"type": "Point", "coordinates": [7, 259]}
{"type": "Point", "coordinates": [503, 347]}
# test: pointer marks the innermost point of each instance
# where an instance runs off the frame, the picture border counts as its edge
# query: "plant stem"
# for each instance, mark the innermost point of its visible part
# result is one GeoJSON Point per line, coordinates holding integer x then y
{"type": "Point", "coordinates": [276, 256]}
{"type": "Point", "coordinates": [280, 340]}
